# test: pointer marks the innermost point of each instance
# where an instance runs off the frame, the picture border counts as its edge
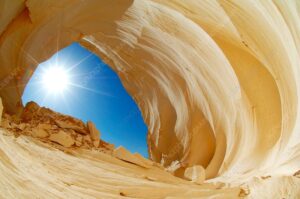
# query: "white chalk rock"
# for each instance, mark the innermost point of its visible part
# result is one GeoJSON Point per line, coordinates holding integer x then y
{"type": "Point", "coordinates": [195, 174]}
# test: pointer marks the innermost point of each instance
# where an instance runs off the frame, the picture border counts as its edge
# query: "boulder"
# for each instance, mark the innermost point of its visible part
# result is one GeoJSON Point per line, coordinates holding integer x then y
{"type": "Point", "coordinates": [195, 174]}
{"type": "Point", "coordinates": [62, 138]}
{"type": "Point", "coordinates": [94, 132]}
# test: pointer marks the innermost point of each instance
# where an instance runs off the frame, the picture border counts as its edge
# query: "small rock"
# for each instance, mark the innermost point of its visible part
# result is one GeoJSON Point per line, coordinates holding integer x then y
{"type": "Point", "coordinates": [244, 192]}
{"type": "Point", "coordinates": [125, 155]}
{"type": "Point", "coordinates": [265, 177]}
{"type": "Point", "coordinates": [297, 174]}
{"type": "Point", "coordinates": [78, 143]}
{"type": "Point", "coordinates": [96, 143]}
{"type": "Point", "coordinates": [62, 138]}
{"type": "Point", "coordinates": [195, 174]}
{"type": "Point", "coordinates": [94, 132]}
{"type": "Point", "coordinates": [39, 133]}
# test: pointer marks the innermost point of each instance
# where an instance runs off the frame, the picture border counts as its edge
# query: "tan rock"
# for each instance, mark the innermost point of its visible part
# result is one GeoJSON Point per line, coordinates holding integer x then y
{"type": "Point", "coordinates": [5, 123]}
{"type": "Point", "coordinates": [62, 138]}
{"type": "Point", "coordinates": [21, 126]}
{"type": "Point", "coordinates": [195, 174]}
{"type": "Point", "coordinates": [96, 143]}
{"type": "Point", "coordinates": [78, 143]}
{"type": "Point", "coordinates": [87, 139]}
{"type": "Point", "coordinates": [39, 133]}
{"type": "Point", "coordinates": [79, 138]}
{"type": "Point", "coordinates": [1, 109]}
{"type": "Point", "coordinates": [70, 125]}
{"type": "Point", "coordinates": [94, 132]}
{"type": "Point", "coordinates": [45, 126]}
{"type": "Point", "coordinates": [125, 155]}
{"type": "Point", "coordinates": [143, 159]}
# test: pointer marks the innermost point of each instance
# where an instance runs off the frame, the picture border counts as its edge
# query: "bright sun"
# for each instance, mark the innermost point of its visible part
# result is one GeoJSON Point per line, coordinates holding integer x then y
{"type": "Point", "coordinates": [56, 79]}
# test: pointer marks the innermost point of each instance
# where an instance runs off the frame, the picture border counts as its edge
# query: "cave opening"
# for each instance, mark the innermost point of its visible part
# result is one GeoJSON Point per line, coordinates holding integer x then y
{"type": "Point", "coordinates": [76, 82]}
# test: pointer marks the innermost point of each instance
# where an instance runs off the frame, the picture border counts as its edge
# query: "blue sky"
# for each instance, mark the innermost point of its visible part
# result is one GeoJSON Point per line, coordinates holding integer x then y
{"type": "Point", "coordinates": [96, 94]}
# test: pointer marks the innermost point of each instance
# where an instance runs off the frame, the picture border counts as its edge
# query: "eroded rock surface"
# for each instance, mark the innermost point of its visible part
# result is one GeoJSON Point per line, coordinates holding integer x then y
{"type": "Point", "coordinates": [217, 81]}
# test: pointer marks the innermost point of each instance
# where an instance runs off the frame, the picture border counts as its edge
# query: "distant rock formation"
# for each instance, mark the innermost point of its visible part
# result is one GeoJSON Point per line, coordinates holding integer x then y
{"type": "Point", "coordinates": [53, 127]}
{"type": "Point", "coordinates": [217, 81]}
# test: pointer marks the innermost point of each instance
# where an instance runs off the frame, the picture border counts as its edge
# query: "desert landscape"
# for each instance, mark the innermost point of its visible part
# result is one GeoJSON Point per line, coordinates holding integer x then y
{"type": "Point", "coordinates": [217, 83]}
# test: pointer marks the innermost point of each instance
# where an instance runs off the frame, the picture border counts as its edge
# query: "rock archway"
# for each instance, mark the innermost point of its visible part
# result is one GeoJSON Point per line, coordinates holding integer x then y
{"type": "Point", "coordinates": [217, 81]}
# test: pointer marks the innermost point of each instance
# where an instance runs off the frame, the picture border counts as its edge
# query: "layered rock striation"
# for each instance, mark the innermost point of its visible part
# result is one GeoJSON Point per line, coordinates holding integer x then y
{"type": "Point", "coordinates": [217, 81]}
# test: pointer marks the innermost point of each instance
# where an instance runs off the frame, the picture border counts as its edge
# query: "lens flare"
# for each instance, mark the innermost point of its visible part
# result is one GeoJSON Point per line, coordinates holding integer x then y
{"type": "Point", "coordinates": [56, 79]}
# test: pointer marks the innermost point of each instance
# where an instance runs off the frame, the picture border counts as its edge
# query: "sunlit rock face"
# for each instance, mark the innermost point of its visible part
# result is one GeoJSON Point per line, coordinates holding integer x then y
{"type": "Point", "coordinates": [217, 81]}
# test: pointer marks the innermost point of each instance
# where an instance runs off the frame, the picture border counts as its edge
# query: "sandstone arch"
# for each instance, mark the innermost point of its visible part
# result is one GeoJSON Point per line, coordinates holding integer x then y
{"type": "Point", "coordinates": [217, 81]}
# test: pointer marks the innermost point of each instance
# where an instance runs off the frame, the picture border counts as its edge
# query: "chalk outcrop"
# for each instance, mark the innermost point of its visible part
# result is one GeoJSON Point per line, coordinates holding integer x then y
{"type": "Point", "coordinates": [217, 81]}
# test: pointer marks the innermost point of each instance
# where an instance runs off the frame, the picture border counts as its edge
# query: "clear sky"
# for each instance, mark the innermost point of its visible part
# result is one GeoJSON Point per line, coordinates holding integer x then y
{"type": "Point", "coordinates": [93, 92]}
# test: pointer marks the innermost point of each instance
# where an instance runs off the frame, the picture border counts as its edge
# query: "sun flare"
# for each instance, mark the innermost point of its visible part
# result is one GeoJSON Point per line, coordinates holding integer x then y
{"type": "Point", "coordinates": [56, 79]}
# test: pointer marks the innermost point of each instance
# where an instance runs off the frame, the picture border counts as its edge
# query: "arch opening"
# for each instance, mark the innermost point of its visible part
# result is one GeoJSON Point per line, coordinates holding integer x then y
{"type": "Point", "coordinates": [76, 82]}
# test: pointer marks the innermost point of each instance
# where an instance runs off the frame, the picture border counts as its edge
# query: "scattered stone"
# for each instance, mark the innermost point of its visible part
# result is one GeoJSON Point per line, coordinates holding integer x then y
{"type": "Point", "coordinates": [50, 126]}
{"type": "Point", "coordinates": [195, 174]}
{"type": "Point", "coordinates": [39, 133]}
{"type": "Point", "coordinates": [123, 154]}
{"type": "Point", "coordinates": [94, 132]}
{"type": "Point", "coordinates": [265, 177]}
{"type": "Point", "coordinates": [62, 138]}
{"type": "Point", "coordinates": [244, 192]}
{"type": "Point", "coordinates": [297, 174]}
{"type": "Point", "coordinates": [34, 113]}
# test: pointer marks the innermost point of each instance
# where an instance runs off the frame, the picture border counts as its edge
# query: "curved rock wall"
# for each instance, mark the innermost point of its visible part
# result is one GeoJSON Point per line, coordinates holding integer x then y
{"type": "Point", "coordinates": [217, 81]}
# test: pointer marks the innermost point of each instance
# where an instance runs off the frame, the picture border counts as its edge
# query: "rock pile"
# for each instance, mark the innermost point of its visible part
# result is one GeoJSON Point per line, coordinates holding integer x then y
{"type": "Point", "coordinates": [55, 128]}
{"type": "Point", "coordinates": [65, 132]}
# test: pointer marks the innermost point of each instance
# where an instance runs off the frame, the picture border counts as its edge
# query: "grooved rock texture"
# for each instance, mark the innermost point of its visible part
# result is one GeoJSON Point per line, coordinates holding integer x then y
{"type": "Point", "coordinates": [217, 81]}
